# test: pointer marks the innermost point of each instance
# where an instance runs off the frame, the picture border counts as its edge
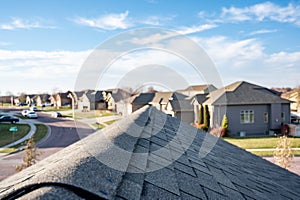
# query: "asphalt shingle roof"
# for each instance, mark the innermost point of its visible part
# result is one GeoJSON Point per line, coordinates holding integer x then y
{"type": "Point", "coordinates": [170, 146]}
{"type": "Point", "coordinates": [241, 93]}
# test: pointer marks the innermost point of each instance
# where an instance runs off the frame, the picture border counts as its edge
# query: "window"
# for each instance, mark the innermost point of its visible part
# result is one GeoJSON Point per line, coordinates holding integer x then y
{"type": "Point", "coordinates": [266, 117]}
{"type": "Point", "coordinates": [282, 117]}
{"type": "Point", "coordinates": [247, 116]}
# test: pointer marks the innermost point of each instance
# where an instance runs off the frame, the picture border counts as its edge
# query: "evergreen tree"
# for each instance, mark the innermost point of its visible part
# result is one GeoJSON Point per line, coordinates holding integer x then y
{"type": "Point", "coordinates": [206, 117]}
{"type": "Point", "coordinates": [201, 120]}
{"type": "Point", "coordinates": [225, 122]}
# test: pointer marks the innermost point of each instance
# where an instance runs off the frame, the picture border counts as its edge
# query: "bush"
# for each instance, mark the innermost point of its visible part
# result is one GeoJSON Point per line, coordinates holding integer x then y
{"type": "Point", "coordinates": [225, 124]}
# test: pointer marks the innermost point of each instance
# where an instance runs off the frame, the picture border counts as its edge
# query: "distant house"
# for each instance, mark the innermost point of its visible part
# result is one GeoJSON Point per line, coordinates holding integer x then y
{"type": "Point", "coordinates": [141, 100]}
{"type": "Point", "coordinates": [249, 108]}
{"type": "Point", "coordinates": [197, 89]}
{"type": "Point", "coordinates": [30, 99]}
{"type": "Point", "coordinates": [182, 108]}
{"type": "Point", "coordinates": [6, 99]}
{"type": "Point", "coordinates": [294, 97]}
{"type": "Point", "coordinates": [159, 100]}
{"type": "Point", "coordinates": [93, 100]}
{"type": "Point", "coordinates": [62, 99]}
{"type": "Point", "coordinates": [121, 101]}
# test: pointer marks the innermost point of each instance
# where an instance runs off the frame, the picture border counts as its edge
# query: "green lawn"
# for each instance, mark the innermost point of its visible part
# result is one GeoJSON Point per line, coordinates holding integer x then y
{"type": "Point", "coordinates": [271, 153]}
{"type": "Point", "coordinates": [7, 137]}
{"type": "Point", "coordinates": [41, 131]}
{"type": "Point", "coordinates": [98, 126]}
{"type": "Point", "coordinates": [111, 122]}
{"type": "Point", "coordinates": [260, 143]}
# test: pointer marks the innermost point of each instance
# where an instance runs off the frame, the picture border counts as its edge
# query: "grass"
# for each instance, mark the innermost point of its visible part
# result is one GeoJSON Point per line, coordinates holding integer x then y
{"type": "Point", "coordinates": [51, 109]}
{"type": "Point", "coordinates": [41, 131]}
{"type": "Point", "coordinates": [98, 126]}
{"type": "Point", "coordinates": [93, 114]}
{"type": "Point", "coordinates": [260, 142]}
{"type": "Point", "coordinates": [271, 153]}
{"type": "Point", "coordinates": [7, 137]}
{"type": "Point", "coordinates": [111, 122]}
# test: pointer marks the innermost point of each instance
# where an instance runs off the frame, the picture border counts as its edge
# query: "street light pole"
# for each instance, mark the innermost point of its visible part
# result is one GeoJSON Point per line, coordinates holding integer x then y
{"type": "Point", "coordinates": [73, 111]}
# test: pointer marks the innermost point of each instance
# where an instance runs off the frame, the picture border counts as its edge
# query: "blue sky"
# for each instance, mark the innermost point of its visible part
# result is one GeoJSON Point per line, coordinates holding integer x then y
{"type": "Point", "coordinates": [43, 44]}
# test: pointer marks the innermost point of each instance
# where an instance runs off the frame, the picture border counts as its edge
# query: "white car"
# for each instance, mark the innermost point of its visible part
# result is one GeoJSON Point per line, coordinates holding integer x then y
{"type": "Point", "coordinates": [25, 112]}
{"type": "Point", "coordinates": [32, 115]}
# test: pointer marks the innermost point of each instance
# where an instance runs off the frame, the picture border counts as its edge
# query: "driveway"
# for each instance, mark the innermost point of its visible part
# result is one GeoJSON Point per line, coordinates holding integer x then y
{"type": "Point", "coordinates": [295, 164]}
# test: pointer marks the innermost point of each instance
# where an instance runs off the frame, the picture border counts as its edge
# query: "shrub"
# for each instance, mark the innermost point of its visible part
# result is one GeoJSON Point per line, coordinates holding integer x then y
{"type": "Point", "coordinates": [225, 124]}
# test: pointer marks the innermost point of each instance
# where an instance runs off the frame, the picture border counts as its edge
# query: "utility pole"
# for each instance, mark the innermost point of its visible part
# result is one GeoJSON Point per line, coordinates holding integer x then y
{"type": "Point", "coordinates": [73, 108]}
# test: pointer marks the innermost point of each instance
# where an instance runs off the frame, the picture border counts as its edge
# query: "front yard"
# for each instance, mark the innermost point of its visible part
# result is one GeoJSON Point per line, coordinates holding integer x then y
{"type": "Point", "coordinates": [262, 143]}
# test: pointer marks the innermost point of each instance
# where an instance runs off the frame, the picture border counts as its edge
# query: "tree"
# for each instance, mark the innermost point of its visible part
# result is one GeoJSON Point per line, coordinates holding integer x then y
{"type": "Point", "coordinates": [225, 124]}
{"type": "Point", "coordinates": [283, 154]}
{"type": "Point", "coordinates": [206, 116]}
{"type": "Point", "coordinates": [30, 157]}
{"type": "Point", "coordinates": [201, 120]}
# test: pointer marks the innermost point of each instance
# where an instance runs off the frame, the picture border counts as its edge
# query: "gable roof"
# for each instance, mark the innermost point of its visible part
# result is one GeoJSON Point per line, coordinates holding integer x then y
{"type": "Point", "coordinates": [182, 105]}
{"type": "Point", "coordinates": [96, 96]}
{"type": "Point", "coordinates": [200, 98]}
{"type": "Point", "coordinates": [143, 98]}
{"type": "Point", "coordinates": [243, 93]}
{"type": "Point", "coordinates": [162, 97]}
{"type": "Point", "coordinates": [178, 172]}
{"type": "Point", "coordinates": [198, 89]}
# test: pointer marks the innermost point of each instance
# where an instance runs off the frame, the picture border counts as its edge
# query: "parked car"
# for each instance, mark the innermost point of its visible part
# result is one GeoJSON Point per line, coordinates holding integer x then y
{"type": "Point", "coordinates": [47, 104]}
{"type": "Point", "coordinates": [22, 104]}
{"type": "Point", "coordinates": [25, 112]}
{"type": "Point", "coordinates": [56, 114]}
{"type": "Point", "coordinates": [10, 119]}
{"type": "Point", "coordinates": [32, 115]}
{"type": "Point", "coordinates": [33, 108]}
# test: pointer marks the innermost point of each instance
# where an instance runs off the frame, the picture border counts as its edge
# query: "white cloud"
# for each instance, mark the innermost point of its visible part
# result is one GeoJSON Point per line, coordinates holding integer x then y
{"type": "Point", "coordinates": [263, 31]}
{"type": "Point", "coordinates": [247, 60]}
{"type": "Point", "coordinates": [262, 12]}
{"type": "Point", "coordinates": [33, 71]}
{"type": "Point", "coordinates": [157, 20]}
{"type": "Point", "coordinates": [107, 22]}
{"type": "Point", "coordinates": [196, 29]}
{"type": "Point", "coordinates": [18, 23]}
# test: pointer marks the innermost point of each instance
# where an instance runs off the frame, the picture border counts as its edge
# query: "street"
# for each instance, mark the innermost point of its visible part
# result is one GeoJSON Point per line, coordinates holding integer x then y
{"type": "Point", "coordinates": [63, 133]}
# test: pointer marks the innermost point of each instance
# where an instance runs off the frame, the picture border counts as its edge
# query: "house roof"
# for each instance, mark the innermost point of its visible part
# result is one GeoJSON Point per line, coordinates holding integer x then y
{"type": "Point", "coordinates": [207, 88]}
{"type": "Point", "coordinates": [143, 98]}
{"type": "Point", "coordinates": [170, 167]}
{"type": "Point", "coordinates": [242, 93]}
{"type": "Point", "coordinates": [96, 96]}
{"type": "Point", "coordinates": [162, 97]}
{"type": "Point", "coordinates": [182, 105]}
{"type": "Point", "coordinates": [200, 98]}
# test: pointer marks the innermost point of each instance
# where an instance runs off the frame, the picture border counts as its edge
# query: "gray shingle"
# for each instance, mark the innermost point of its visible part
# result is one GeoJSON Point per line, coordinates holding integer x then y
{"type": "Point", "coordinates": [189, 184]}
{"type": "Point", "coordinates": [163, 178]}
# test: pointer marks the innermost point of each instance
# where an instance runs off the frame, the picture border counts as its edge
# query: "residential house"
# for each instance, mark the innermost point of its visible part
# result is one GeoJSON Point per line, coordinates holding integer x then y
{"type": "Point", "coordinates": [30, 99]}
{"type": "Point", "coordinates": [121, 101]}
{"type": "Point", "coordinates": [250, 109]}
{"type": "Point", "coordinates": [141, 100]}
{"type": "Point", "coordinates": [182, 108]}
{"type": "Point", "coordinates": [62, 99]}
{"type": "Point", "coordinates": [6, 99]}
{"type": "Point", "coordinates": [192, 90]}
{"type": "Point", "coordinates": [93, 100]}
{"type": "Point", "coordinates": [159, 100]}
{"type": "Point", "coordinates": [160, 159]}
{"type": "Point", "coordinates": [294, 97]}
